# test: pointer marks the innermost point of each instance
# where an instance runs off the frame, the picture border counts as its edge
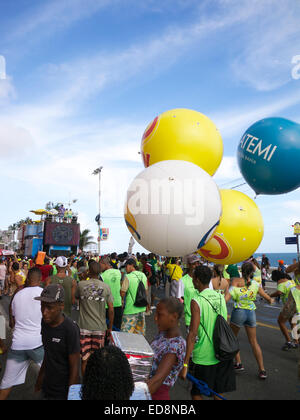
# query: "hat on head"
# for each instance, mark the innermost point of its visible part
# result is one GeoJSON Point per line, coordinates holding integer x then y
{"type": "Point", "coordinates": [82, 270]}
{"type": "Point", "coordinates": [104, 260]}
{"type": "Point", "coordinates": [54, 293]}
{"type": "Point", "coordinates": [61, 262]}
{"type": "Point", "coordinates": [191, 259]}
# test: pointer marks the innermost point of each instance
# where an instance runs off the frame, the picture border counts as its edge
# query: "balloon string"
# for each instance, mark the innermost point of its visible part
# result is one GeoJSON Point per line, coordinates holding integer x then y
{"type": "Point", "coordinates": [236, 186]}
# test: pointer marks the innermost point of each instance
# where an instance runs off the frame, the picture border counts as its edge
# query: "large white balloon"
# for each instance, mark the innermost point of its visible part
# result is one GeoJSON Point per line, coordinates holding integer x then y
{"type": "Point", "coordinates": [173, 208]}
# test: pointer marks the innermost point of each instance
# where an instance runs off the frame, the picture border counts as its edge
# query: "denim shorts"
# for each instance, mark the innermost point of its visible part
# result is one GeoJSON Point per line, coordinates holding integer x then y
{"type": "Point", "coordinates": [243, 318]}
{"type": "Point", "coordinates": [17, 364]}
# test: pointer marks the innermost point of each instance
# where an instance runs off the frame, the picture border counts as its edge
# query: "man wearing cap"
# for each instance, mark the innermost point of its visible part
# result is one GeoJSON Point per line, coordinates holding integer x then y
{"type": "Point", "coordinates": [68, 283]}
{"type": "Point", "coordinates": [187, 286]}
{"type": "Point", "coordinates": [60, 336]}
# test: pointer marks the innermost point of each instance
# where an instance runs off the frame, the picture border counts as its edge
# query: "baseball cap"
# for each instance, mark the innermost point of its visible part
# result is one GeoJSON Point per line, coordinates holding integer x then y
{"type": "Point", "coordinates": [82, 270]}
{"type": "Point", "coordinates": [61, 262]}
{"type": "Point", "coordinates": [130, 261]}
{"type": "Point", "coordinates": [191, 259]}
{"type": "Point", "coordinates": [54, 293]}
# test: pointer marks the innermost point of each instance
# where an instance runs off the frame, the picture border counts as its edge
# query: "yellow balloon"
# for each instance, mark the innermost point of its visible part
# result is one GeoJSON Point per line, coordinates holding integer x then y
{"type": "Point", "coordinates": [239, 233]}
{"type": "Point", "coordinates": [183, 134]}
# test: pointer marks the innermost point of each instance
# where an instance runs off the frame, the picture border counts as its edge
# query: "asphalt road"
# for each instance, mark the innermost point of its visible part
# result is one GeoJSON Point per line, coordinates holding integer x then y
{"type": "Point", "coordinates": [282, 382]}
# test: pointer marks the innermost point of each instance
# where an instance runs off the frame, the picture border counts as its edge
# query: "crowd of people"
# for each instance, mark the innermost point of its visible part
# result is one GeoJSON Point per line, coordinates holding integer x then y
{"type": "Point", "coordinates": [117, 292]}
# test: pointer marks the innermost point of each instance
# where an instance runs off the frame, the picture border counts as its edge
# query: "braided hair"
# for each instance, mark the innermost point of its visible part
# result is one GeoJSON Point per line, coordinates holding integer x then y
{"type": "Point", "coordinates": [107, 376]}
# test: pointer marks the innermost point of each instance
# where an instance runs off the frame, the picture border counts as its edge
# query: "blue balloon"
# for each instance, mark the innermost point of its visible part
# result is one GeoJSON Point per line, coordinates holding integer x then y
{"type": "Point", "coordinates": [269, 156]}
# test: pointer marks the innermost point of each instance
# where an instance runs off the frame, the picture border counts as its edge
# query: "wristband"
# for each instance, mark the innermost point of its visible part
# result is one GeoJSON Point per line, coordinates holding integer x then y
{"type": "Point", "coordinates": [185, 365]}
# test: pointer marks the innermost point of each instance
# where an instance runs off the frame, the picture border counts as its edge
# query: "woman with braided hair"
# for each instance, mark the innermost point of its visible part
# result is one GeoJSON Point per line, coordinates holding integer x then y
{"type": "Point", "coordinates": [107, 376]}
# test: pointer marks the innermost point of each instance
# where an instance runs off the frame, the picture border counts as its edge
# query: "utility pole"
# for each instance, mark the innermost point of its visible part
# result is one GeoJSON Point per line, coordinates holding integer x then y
{"type": "Point", "coordinates": [98, 172]}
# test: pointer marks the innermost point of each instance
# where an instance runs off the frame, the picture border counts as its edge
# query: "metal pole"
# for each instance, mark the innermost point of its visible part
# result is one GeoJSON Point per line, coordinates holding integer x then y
{"type": "Point", "coordinates": [298, 253]}
{"type": "Point", "coordinates": [99, 238]}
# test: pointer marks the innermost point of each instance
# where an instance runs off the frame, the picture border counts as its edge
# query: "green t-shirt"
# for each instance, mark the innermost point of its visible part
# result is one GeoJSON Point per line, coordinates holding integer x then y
{"type": "Point", "coordinates": [296, 295]}
{"type": "Point", "coordinates": [112, 277]}
{"type": "Point", "coordinates": [297, 279]}
{"type": "Point", "coordinates": [233, 271]}
{"type": "Point", "coordinates": [285, 288]}
{"type": "Point", "coordinates": [134, 278]}
{"type": "Point", "coordinates": [226, 275]}
{"type": "Point", "coordinates": [257, 276]}
{"type": "Point", "coordinates": [66, 282]}
{"type": "Point", "coordinates": [189, 290]}
{"type": "Point", "coordinates": [244, 297]}
{"type": "Point", "coordinates": [204, 353]}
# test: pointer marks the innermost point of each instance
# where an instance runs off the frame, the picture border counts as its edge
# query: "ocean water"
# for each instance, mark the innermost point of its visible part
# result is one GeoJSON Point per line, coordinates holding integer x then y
{"type": "Point", "coordinates": [274, 257]}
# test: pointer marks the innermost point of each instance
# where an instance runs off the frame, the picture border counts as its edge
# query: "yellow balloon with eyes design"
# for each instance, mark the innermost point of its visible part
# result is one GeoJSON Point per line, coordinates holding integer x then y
{"type": "Point", "coordinates": [183, 134]}
{"type": "Point", "coordinates": [239, 233]}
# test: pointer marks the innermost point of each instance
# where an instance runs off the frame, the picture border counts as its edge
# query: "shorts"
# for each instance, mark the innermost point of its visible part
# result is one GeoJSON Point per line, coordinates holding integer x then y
{"type": "Point", "coordinates": [219, 378]}
{"type": "Point", "coordinates": [243, 318]}
{"type": "Point", "coordinates": [134, 324]}
{"type": "Point", "coordinates": [162, 394]}
{"type": "Point", "coordinates": [17, 365]}
{"type": "Point", "coordinates": [90, 341]}
{"type": "Point", "coordinates": [2, 284]}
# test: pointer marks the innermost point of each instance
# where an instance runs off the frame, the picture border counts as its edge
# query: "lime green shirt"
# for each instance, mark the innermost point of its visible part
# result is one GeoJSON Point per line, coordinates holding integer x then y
{"type": "Point", "coordinates": [257, 276]}
{"type": "Point", "coordinates": [285, 289]}
{"type": "Point", "coordinates": [134, 278]}
{"type": "Point", "coordinates": [296, 295]}
{"type": "Point", "coordinates": [112, 277]}
{"type": "Point", "coordinates": [189, 290]}
{"type": "Point", "coordinates": [244, 297]}
{"type": "Point", "coordinates": [204, 353]}
{"type": "Point", "coordinates": [225, 274]}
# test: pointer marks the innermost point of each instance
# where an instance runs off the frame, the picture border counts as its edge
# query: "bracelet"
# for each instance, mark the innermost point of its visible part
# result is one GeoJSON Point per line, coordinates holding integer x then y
{"type": "Point", "coordinates": [185, 365]}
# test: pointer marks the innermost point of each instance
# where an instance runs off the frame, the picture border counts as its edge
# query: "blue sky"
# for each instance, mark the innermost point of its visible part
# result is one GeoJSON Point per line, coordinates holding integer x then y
{"type": "Point", "coordinates": [84, 79]}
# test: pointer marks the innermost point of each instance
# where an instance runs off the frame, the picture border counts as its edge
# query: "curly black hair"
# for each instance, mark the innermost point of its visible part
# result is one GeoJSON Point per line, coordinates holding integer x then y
{"type": "Point", "coordinates": [107, 376]}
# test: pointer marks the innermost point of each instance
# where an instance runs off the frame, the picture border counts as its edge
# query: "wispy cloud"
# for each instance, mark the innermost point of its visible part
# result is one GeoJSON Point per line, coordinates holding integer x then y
{"type": "Point", "coordinates": [49, 17]}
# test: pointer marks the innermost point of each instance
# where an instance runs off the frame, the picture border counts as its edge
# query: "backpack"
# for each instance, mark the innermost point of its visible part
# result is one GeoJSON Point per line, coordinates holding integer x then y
{"type": "Point", "coordinates": [141, 295]}
{"type": "Point", "coordinates": [225, 343]}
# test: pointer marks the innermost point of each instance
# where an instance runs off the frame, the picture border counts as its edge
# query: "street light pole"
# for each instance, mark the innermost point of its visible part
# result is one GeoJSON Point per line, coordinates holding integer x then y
{"type": "Point", "coordinates": [96, 172]}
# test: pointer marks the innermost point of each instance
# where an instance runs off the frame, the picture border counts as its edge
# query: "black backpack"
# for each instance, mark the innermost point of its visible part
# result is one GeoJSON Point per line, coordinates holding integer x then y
{"type": "Point", "coordinates": [141, 295]}
{"type": "Point", "coordinates": [225, 343]}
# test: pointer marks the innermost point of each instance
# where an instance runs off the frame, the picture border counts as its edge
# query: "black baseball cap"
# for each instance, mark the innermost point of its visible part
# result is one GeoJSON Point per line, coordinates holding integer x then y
{"type": "Point", "coordinates": [54, 293]}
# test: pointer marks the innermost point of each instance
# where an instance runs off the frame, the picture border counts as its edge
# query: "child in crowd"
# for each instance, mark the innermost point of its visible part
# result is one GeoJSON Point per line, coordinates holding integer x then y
{"type": "Point", "coordinates": [169, 349]}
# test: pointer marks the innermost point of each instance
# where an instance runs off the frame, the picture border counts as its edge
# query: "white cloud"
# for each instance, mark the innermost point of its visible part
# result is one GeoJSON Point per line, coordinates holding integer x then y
{"type": "Point", "coordinates": [269, 44]}
{"type": "Point", "coordinates": [7, 89]}
{"type": "Point", "coordinates": [14, 141]}
{"type": "Point", "coordinates": [237, 120]}
{"type": "Point", "coordinates": [49, 17]}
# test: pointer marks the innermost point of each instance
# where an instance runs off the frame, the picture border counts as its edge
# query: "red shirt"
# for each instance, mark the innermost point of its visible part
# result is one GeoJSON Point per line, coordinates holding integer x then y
{"type": "Point", "coordinates": [46, 270]}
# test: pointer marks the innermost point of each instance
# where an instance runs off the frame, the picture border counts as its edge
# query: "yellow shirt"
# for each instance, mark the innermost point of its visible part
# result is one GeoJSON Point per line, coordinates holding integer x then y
{"type": "Point", "coordinates": [175, 271]}
{"type": "Point", "coordinates": [22, 275]}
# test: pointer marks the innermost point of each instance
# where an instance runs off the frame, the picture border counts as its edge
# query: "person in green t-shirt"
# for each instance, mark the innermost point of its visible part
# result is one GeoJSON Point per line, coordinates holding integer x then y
{"type": "Point", "coordinates": [133, 320]}
{"type": "Point", "coordinates": [68, 283]}
{"type": "Point", "coordinates": [233, 271]}
{"type": "Point", "coordinates": [187, 287]}
{"type": "Point", "coordinates": [243, 292]}
{"type": "Point", "coordinates": [219, 376]}
{"type": "Point", "coordinates": [291, 310]}
{"type": "Point", "coordinates": [294, 269]}
{"type": "Point", "coordinates": [112, 277]}
{"type": "Point", "coordinates": [284, 286]}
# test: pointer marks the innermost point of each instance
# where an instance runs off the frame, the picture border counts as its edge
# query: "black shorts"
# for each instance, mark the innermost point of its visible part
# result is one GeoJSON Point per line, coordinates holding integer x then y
{"type": "Point", "coordinates": [220, 377]}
